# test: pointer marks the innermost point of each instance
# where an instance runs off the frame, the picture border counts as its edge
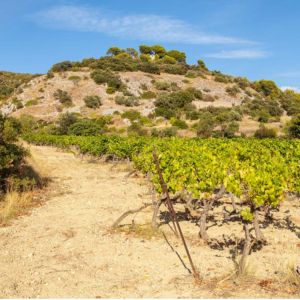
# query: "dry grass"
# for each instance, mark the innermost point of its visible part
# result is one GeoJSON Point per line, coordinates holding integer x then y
{"type": "Point", "coordinates": [14, 204]}
{"type": "Point", "coordinates": [141, 230]}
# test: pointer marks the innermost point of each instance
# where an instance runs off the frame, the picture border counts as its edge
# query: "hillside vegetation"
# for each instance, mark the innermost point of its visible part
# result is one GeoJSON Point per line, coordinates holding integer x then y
{"type": "Point", "coordinates": [150, 92]}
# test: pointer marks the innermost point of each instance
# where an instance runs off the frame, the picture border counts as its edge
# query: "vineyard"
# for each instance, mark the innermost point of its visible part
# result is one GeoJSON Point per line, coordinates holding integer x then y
{"type": "Point", "coordinates": [260, 173]}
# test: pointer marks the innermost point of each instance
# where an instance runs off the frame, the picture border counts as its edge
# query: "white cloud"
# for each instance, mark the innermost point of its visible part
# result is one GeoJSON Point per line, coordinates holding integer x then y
{"type": "Point", "coordinates": [289, 74]}
{"type": "Point", "coordinates": [142, 27]}
{"type": "Point", "coordinates": [239, 54]}
{"type": "Point", "coordinates": [295, 89]}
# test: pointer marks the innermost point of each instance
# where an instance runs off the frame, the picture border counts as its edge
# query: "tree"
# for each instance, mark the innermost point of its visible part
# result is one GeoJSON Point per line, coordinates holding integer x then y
{"type": "Point", "coordinates": [132, 52]}
{"type": "Point", "coordinates": [205, 128]}
{"type": "Point", "coordinates": [159, 50]}
{"type": "Point", "coordinates": [113, 51]}
{"type": "Point", "coordinates": [178, 56]}
{"type": "Point", "coordinates": [92, 101]}
{"type": "Point", "coordinates": [145, 57]}
{"type": "Point", "coordinates": [65, 121]}
{"type": "Point", "coordinates": [292, 128]}
{"type": "Point", "coordinates": [223, 119]}
{"type": "Point", "coordinates": [84, 128]}
{"type": "Point", "coordinates": [269, 88]}
{"type": "Point", "coordinates": [181, 98]}
{"type": "Point", "coordinates": [201, 64]}
{"type": "Point", "coordinates": [27, 122]}
{"type": "Point", "coordinates": [50, 74]}
{"type": "Point", "coordinates": [144, 49]}
{"type": "Point", "coordinates": [62, 66]}
{"type": "Point", "coordinates": [265, 133]}
{"type": "Point", "coordinates": [169, 60]}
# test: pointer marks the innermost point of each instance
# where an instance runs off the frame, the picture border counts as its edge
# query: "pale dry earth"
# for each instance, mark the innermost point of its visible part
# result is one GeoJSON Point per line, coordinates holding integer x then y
{"type": "Point", "coordinates": [65, 248]}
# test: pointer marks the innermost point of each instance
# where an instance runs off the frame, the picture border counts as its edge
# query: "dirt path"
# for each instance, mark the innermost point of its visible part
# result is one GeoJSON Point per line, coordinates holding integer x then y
{"type": "Point", "coordinates": [64, 249]}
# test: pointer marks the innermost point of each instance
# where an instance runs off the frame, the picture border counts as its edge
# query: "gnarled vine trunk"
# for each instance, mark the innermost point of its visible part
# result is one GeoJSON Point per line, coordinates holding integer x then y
{"type": "Point", "coordinates": [259, 235]}
{"type": "Point", "coordinates": [246, 250]}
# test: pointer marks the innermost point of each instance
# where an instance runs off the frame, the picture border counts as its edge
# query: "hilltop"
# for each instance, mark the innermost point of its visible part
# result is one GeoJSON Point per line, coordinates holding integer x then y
{"type": "Point", "coordinates": [147, 83]}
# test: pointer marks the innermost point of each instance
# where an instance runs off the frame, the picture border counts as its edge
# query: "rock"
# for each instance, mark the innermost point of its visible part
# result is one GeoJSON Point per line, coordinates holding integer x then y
{"type": "Point", "coordinates": [126, 121]}
{"type": "Point", "coordinates": [111, 111]}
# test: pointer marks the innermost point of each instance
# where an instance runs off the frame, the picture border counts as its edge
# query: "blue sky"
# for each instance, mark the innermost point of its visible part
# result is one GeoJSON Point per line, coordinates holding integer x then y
{"type": "Point", "coordinates": [257, 39]}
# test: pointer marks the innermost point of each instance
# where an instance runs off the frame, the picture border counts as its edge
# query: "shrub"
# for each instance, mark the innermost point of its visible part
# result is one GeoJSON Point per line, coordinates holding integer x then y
{"type": "Point", "coordinates": [149, 67]}
{"type": "Point", "coordinates": [162, 85]}
{"type": "Point", "coordinates": [198, 94]}
{"type": "Point", "coordinates": [63, 97]}
{"type": "Point", "coordinates": [129, 101]}
{"type": "Point", "coordinates": [136, 129]}
{"type": "Point", "coordinates": [169, 60]}
{"type": "Point", "coordinates": [62, 66]}
{"type": "Point", "coordinates": [144, 86]}
{"type": "Point", "coordinates": [178, 56]}
{"type": "Point", "coordinates": [233, 91]}
{"type": "Point", "coordinates": [205, 128]}
{"type": "Point", "coordinates": [41, 90]}
{"type": "Point", "coordinates": [243, 83]}
{"type": "Point", "coordinates": [263, 116]}
{"type": "Point", "coordinates": [131, 114]}
{"type": "Point", "coordinates": [180, 124]}
{"type": "Point", "coordinates": [28, 123]}
{"type": "Point", "coordinates": [113, 51]}
{"type": "Point", "coordinates": [84, 128]}
{"type": "Point", "coordinates": [31, 102]}
{"type": "Point", "coordinates": [185, 81]}
{"type": "Point", "coordinates": [222, 79]}
{"type": "Point", "coordinates": [264, 133]}
{"type": "Point", "coordinates": [174, 87]}
{"type": "Point", "coordinates": [110, 90]}
{"type": "Point", "coordinates": [191, 74]}
{"type": "Point", "coordinates": [168, 132]}
{"type": "Point", "coordinates": [292, 128]}
{"type": "Point", "coordinates": [165, 112]}
{"type": "Point", "coordinates": [181, 98]}
{"type": "Point", "coordinates": [92, 101]}
{"type": "Point", "coordinates": [231, 129]}
{"type": "Point", "coordinates": [208, 98]}
{"type": "Point", "coordinates": [148, 95]}
{"type": "Point", "coordinates": [206, 90]}
{"type": "Point", "coordinates": [74, 78]}
{"type": "Point", "coordinates": [50, 74]}
{"type": "Point", "coordinates": [248, 93]}
{"type": "Point", "coordinates": [105, 120]}
{"type": "Point", "coordinates": [65, 121]}
{"type": "Point", "coordinates": [235, 116]}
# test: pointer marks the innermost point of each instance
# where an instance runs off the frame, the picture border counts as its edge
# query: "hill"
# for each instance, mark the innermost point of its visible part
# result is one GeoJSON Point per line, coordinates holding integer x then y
{"type": "Point", "coordinates": [149, 83]}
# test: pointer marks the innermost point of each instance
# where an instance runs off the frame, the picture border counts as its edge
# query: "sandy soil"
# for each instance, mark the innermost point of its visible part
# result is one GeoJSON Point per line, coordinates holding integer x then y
{"type": "Point", "coordinates": [66, 249]}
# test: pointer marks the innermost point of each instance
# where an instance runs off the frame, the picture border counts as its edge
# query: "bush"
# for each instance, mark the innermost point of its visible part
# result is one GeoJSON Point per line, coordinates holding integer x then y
{"type": "Point", "coordinates": [174, 87]}
{"type": "Point", "coordinates": [62, 66]}
{"type": "Point", "coordinates": [191, 74]}
{"type": "Point", "coordinates": [169, 60]}
{"type": "Point", "coordinates": [110, 90]}
{"type": "Point", "coordinates": [65, 121]}
{"type": "Point", "coordinates": [168, 132]}
{"type": "Point", "coordinates": [178, 56]}
{"type": "Point", "coordinates": [185, 81]}
{"type": "Point", "coordinates": [265, 133]}
{"type": "Point", "coordinates": [50, 74]}
{"type": "Point", "coordinates": [208, 98]}
{"type": "Point", "coordinates": [129, 101]}
{"type": "Point", "coordinates": [104, 120]}
{"type": "Point", "coordinates": [248, 93]}
{"type": "Point", "coordinates": [162, 85]}
{"type": "Point", "coordinates": [222, 79]}
{"type": "Point", "coordinates": [206, 90]}
{"type": "Point", "coordinates": [84, 128]}
{"type": "Point", "coordinates": [165, 112]}
{"type": "Point", "coordinates": [28, 123]}
{"type": "Point", "coordinates": [180, 124]}
{"type": "Point", "coordinates": [263, 116]}
{"type": "Point", "coordinates": [136, 129]}
{"type": "Point", "coordinates": [205, 128]}
{"type": "Point", "coordinates": [233, 91]}
{"type": "Point", "coordinates": [149, 67]}
{"type": "Point", "coordinates": [63, 97]}
{"type": "Point", "coordinates": [181, 98]}
{"type": "Point", "coordinates": [131, 114]}
{"type": "Point", "coordinates": [148, 95]}
{"type": "Point", "coordinates": [145, 57]}
{"type": "Point", "coordinates": [31, 102]}
{"type": "Point", "coordinates": [292, 128]}
{"type": "Point", "coordinates": [92, 101]}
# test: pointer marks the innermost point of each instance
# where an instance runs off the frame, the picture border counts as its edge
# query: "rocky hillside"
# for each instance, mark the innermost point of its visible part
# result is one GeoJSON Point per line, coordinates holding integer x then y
{"type": "Point", "coordinates": [46, 107]}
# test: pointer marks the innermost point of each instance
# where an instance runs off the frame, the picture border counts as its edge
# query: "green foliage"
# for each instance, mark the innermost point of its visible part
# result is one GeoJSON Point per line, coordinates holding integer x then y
{"type": "Point", "coordinates": [65, 121]}
{"type": "Point", "coordinates": [28, 123]}
{"type": "Point", "coordinates": [208, 98]}
{"type": "Point", "coordinates": [132, 52]}
{"type": "Point", "coordinates": [159, 50]}
{"type": "Point", "coordinates": [292, 128]}
{"type": "Point", "coordinates": [50, 74]}
{"type": "Point", "coordinates": [268, 88]}
{"type": "Point", "coordinates": [178, 56]}
{"type": "Point", "coordinates": [162, 85]}
{"type": "Point", "coordinates": [191, 74]}
{"type": "Point", "coordinates": [144, 49]}
{"type": "Point", "coordinates": [169, 60]}
{"type": "Point", "coordinates": [31, 102]}
{"type": "Point", "coordinates": [131, 114]}
{"type": "Point", "coordinates": [242, 83]}
{"type": "Point", "coordinates": [127, 101]}
{"type": "Point", "coordinates": [233, 90]}
{"type": "Point", "coordinates": [198, 95]}
{"type": "Point", "coordinates": [12, 154]}
{"type": "Point", "coordinates": [265, 133]}
{"type": "Point", "coordinates": [113, 51]}
{"type": "Point", "coordinates": [201, 64]}
{"type": "Point", "coordinates": [62, 66]}
{"type": "Point", "coordinates": [136, 129]}
{"type": "Point", "coordinates": [63, 97]}
{"type": "Point", "coordinates": [148, 95]}
{"type": "Point", "coordinates": [84, 128]}
{"type": "Point", "coordinates": [72, 78]}
{"type": "Point", "coordinates": [179, 124]}
{"type": "Point", "coordinates": [110, 90]}
{"type": "Point", "coordinates": [92, 101]}
{"type": "Point", "coordinates": [222, 79]}
{"type": "Point", "coordinates": [181, 98]}
{"type": "Point", "coordinates": [145, 57]}
{"type": "Point", "coordinates": [263, 116]}
{"type": "Point", "coordinates": [104, 120]}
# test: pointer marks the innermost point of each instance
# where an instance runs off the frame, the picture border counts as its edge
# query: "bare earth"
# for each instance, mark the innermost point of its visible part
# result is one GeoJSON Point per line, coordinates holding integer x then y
{"type": "Point", "coordinates": [66, 249]}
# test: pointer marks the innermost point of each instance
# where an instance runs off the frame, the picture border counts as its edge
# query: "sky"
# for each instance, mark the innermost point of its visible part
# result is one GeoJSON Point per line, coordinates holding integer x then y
{"type": "Point", "coordinates": [257, 39]}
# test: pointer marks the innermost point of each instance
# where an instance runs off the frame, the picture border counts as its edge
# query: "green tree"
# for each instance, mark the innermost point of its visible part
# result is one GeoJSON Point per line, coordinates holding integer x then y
{"type": "Point", "coordinates": [292, 128]}
{"type": "Point", "coordinates": [84, 128]}
{"type": "Point", "coordinates": [269, 88]}
{"type": "Point", "coordinates": [178, 56]}
{"type": "Point", "coordinates": [28, 123]}
{"type": "Point", "coordinates": [169, 60]}
{"type": "Point", "coordinates": [65, 121]}
{"type": "Point", "coordinates": [92, 101]}
{"type": "Point", "coordinates": [159, 50]}
{"type": "Point", "coordinates": [144, 49]}
{"type": "Point", "coordinates": [145, 57]}
{"type": "Point", "coordinates": [132, 52]}
{"type": "Point", "coordinates": [114, 51]}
